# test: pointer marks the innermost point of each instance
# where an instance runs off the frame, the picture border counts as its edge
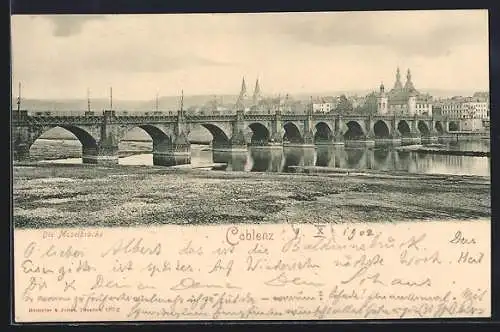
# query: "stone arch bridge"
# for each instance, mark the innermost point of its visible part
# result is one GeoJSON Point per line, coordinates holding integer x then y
{"type": "Point", "coordinates": [100, 134]}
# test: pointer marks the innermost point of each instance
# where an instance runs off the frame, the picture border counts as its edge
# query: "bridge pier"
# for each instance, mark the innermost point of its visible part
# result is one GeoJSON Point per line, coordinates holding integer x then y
{"type": "Point", "coordinates": [21, 140]}
{"type": "Point", "coordinates": [21, 151]}
{"type": "Point", "coordinates": [103, 151]}
{"type": "Point", "coordinates": [432, 137]}
{"type": "Point", "coordinates": [238, 141]}
{"type": "Point", "coordinates": [308, 138]}
{"type": "Point", "coordinates": [414, 136]}
{"type": "Point", "coordinates": [276, 139]}
{"type": "Point", "coordinates": [338, 127]}
{"type": "Point", "coordinates": [394, 137]}
{"type": "Point", "coordinates": [176, 151]}
{"type": "Point", "coordinates": [277, 131]}
{"type": "Point", "coordinates": [101, 154]}
{"type": "Point", "coordinates": [338, 139]}
{"type": "Point", "coordinates": [335, 138]}
{"type": "Point", "coordinates": [308, 130]}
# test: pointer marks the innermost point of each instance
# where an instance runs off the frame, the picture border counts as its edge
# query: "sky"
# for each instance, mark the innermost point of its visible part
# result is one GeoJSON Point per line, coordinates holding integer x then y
{"type": "Point", "coordinates": [61, 56]}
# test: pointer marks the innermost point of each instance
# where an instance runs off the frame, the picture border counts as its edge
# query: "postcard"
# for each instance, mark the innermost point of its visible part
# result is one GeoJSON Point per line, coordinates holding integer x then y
{"type": "Point", "coordinates": [258, 166]}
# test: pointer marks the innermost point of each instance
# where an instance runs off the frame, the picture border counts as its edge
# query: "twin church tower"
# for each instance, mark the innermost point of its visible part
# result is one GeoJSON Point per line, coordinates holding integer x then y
{"type": "Point", "coordinates": [403, 100]}
{"type": "Point", "coordinates": [243, 101]}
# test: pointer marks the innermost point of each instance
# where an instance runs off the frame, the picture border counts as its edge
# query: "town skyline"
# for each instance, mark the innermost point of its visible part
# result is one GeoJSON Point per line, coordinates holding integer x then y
{"type": "Point", "coordinates": [435, 93]}
{"type": "Point", "coordinates": [60, 57]}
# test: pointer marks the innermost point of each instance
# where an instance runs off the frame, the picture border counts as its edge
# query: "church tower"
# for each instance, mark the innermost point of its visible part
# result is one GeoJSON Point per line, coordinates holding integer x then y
{"type": "Point", "coordinates": [412, 94]}
{"type": "Point", "coordinates": [256, 94]}
{"type": "Point", "coordinates": [397, 85]}
{"type": "Point", "coordinates": [409, 84]}
{"type": "Point", "coordinates": [412, 103]}
{"type": "Point", "coordinates": [242, 98]}
{"type": "Point", "coordinates": [382, 101]}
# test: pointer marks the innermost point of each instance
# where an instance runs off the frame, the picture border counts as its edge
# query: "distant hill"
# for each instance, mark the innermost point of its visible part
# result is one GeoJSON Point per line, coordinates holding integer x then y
{"type": "Point", "coordinates": [167, 103]}
{"type": "Point", "coordinates": [170, 103]}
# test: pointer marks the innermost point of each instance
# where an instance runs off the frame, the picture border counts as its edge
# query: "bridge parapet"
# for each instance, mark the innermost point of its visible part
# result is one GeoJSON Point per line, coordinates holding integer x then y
{"type": "Point", "coordinates": [210, 118]}
{"type": "Point", "coordinates": [56, 120]}
{"type": "Point", "coordinates": [149, 119]}
{"type": "Point", "coordinates": [291, 117]}
{"type": "Point", "coordinates": [259, 117]}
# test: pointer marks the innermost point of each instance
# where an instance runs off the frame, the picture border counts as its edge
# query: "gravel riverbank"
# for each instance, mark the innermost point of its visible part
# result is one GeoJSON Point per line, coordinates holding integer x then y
{"type": "Point", "coordinates": [86, 195]}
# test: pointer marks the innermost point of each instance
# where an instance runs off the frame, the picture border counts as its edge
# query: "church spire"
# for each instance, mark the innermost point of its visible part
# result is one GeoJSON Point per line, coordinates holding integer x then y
{"type": "Point", "coordinates": [409, 84]}
{"type": "Point", "coordinates": [256, 93]}
{"type": "Point", "coordinates": [397, 84]}
{"type": "Point", "coordinates": [243, 94]}
{"type": "Point", "coordinates": [243, 91]}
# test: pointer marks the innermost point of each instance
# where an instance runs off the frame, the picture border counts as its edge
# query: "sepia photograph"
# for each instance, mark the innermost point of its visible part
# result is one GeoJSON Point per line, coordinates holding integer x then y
{"type": "Point", "coordinates": [251, 166]}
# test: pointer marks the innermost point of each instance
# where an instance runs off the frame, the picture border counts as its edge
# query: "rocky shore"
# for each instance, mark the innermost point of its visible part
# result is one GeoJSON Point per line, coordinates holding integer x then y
{"type": "Point", "coordinates": [86, 195]}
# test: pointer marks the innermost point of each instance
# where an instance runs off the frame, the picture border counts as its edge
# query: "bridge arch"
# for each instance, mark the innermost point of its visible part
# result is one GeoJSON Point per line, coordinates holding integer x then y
{"type": "Point", "coordinates": [292, 133]}
{"type": "Point", "coordinates": [354, 130]}
{"type": "Point", "coordinates": [260, 133]}
{"type": "Point", "coordinates": [404, 128]}
{"type": "Point", "coordinates": [323, 132]}
{"type": "Point", "coordinates": [220, 138]}
{"type": "Point", "coordinates": [453, 126]}
{"type": "Point", "coordinates": [156, 133]}
{"type": "Point", "coordinates": [439, 127]}
{"type": "Point", "coordinates": [381, 129]}
{"type": "Point", "coordinates": [161, 136]}
{"type": "Point", "coordinates": [423, 128]}
{"type": "Point", "coordinates": [85, 137]}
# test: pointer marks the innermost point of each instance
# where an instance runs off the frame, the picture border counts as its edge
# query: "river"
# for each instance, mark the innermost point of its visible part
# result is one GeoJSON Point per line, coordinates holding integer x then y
{"type": "Point", "coordinates": [277, 159]}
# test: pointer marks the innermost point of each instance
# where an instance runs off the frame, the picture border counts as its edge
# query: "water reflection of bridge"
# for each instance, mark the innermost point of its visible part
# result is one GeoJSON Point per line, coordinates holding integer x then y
{"type": "Point", "coordinates": [273, 160]}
